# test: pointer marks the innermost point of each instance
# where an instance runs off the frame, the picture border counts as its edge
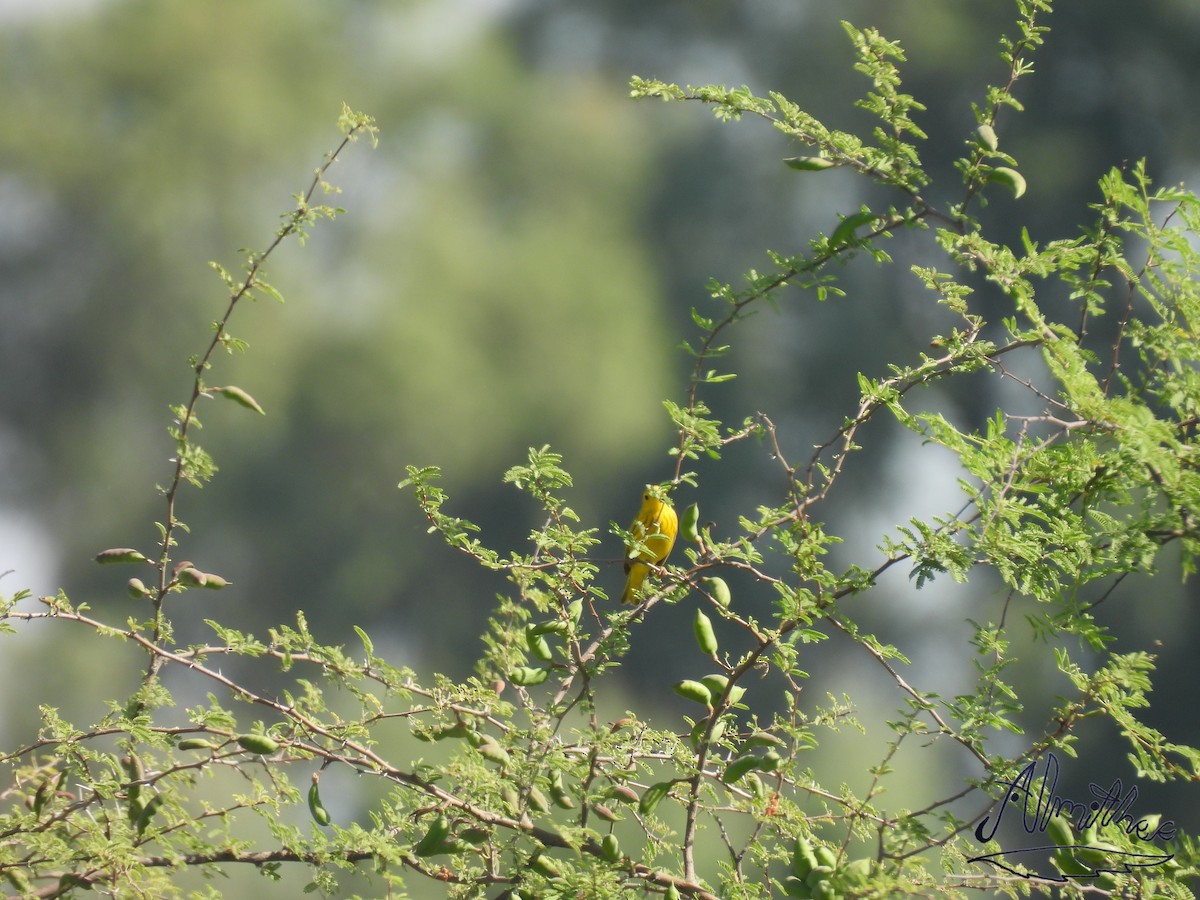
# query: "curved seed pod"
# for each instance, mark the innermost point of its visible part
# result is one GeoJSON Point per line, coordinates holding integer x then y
{"type": "Point", "coordinates": [844, 233]}
{"type": "Point", "coordinates": [825, 857]}
{"type": "Point", "coordinates": [625, 793]}
{"type": "Point", "coordinates": [575, 611]}
{"type": "Point", "coordinates": [192, 576]}
{"type": "Point", "coordinates": [689, 523]}
{"type": "Point", "coordinates": [739, 768]}
{"type": "Point", "coordinates": [214, 582]}
{"type": "Point", "coordinates": [610, 847]}
{"type": "Point", "coordinates": [672, 893]}
{"type": "Point", "coordinates": [985, 136]}
{"type": "Point", "coordinates": [693, 690]}
{"type": "Point", "coordinates": [551, 626]}
{"type": "Point", "coordinates": [756, 786]}
{"type": "Point", "coordinates": [119, 555]}
{"type": "Point", "coordinates": [804, 860]}
{"type": "Point", "coordinates": [474, 836]}
{"type": "Point", "coordinates": [653, 796]}
{"type": "Point", "coordinates": [538, 800]}
{"type": "Point", "coordinates": [770, 761]}
{"type": "Point", "coordinates": [706, 638]}
{"type": "Point", "coordinates": [538, 645]}
{"type": "Point", "coordinates": [809, 163]}
{"type": "Point", "coordinates": [137, 589]}
{"type": "Point", "coordinates": [491, 750]}
{"type": "Point", "coordinates": [434, 839]}
{"type": "Point", "coordinates": [237, 395]}
{"type": "Point", "coordinates": [716, 685]}
{"type": "Point", "coordinates": [1010, 178]}
{"type": "Point", "coordinates": [796, 887]}
{"type": "Point", "coordinates": [194, 744]}
{"type": "Point", "coordinates": [132, 765]}
{"type": "Point", "coordinates": [605, 813]}
{"type": "Point", "coordinates": [527, 676]}
{"type": "Point", "coordinates": [257, 743]}
{"type": "Point", "coordinates": [765, 739]}
{"type": "Point", "coordinates": [559, 794]}
{"type": "Point", "coordinates": [1059, 830]}
{"type": "Point", "coordinates": [147, 813]}
{"type": "Point", "coordinates": [511, 797]}
{"type": "Point", "coordinates": [459, 729]}
{"type": "Point", "coordinates": [315, 807]}
{"type": "Point", "coordinates": [719, 590]}
{"type": "Point", "coordinates": [818, 877]}
{"type": "Point", "coordinates": [545, 865]}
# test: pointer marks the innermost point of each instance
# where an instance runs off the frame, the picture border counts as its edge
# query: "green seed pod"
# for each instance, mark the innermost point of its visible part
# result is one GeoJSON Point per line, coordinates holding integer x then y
{"type": "Point", "coordinates": [689, 522]}
{"type": "Point", "coordinates": [1067, 863]}
{"type": "Point", "coordinates": [119, 555]}
{"type": "Point", "coordinates": [1010, 178]}
{"type": "Point", "coordinates": [844, 233]}
{"type": "Point", "coordinates": [511, 797]}
{"type": "Point", "coordinates": [796, 887]}
{"type": "Point", "coordinates": [818, 876]}
{"type": "Point", "coordinates": [459, 729]}
{"type": "Point", "coordinates": [491, 750]}
{"type": "Point", "coordinates": [716, 684]}
{"type": "Point", "coordinates": [765, 739]}
{"type": "Point", "coordinates": [194, 744]}
{"type": "Point", "coordinates": [474, 836]}
{"type": "Point", "coordinates": [672, 892]}
{"type": "Point", "coordinates": [538, 645]}
{"type": "Point", "coordinates": [192, 576]}
{"type": "Point", "coordinates": [825, 856]}
{"type": "Point", "coordinates": [575, 611]}
{"type": "Point", "coordinates": [739, 768]}
{"type": "Point", "coordinates": [257, 743]}
{"type": "Point", "coordinates": [610, 847]}
{"type": "Point", "coordinates": [718, 590]}
{"type": "Point", "coordinates": [527, 676]}
{"type": "Point", "coordinates": [706, 638]}
{"type": "Point", "coordinates": [653, 796]}
{"type": "Point", "coordinates": [315, 807]}
{"type": "Point", "coordinates": [137, 590]}
{"type": "Point", "coordinates": [693, 690]}
{"type": "Point", "coordinates": [771, 761]}
{"type": "Point", "coordinates": [552, 626]}
{"type": "Point", "coordinates": [985, 136]}
{"type": "Point", "coordinates": [756, 786]}
{"type": "Point", "coordinates": [809, 163]}
{"type": "Point", "coordinates": [538, 800]}
{"type": "Point", "coordinates": [606, 813]}
{"type": "Point", "coordinates": [804, 860]}
{"type": "Point", "coordinates": [1059, 831]}
{"type": "Point", "coordinates": [825, 890]}
{"type": "Point", "coordinates": [559, 794]}
{"type": "Point", "coordinates": [625, 793]}
{"type": "Point", "coordinates": [237, 395]}
{"type": "Point", "coordinates": [214, 582]}
{"type": "Point", "coordinates": [434, 839]}
{"type": "Point", "coordinates": [545, 865]}
{"type": "Point", "coordinates": [147, 813]}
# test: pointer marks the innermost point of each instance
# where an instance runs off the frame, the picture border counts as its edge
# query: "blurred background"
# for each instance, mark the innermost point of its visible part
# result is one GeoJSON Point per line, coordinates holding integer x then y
{"type": "Point", "coordinates": [515, 268]}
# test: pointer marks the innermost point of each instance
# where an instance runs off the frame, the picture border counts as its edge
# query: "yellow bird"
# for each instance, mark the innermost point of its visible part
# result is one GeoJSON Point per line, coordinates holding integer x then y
{"type": "Point", "coordinates": [655, 527]}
